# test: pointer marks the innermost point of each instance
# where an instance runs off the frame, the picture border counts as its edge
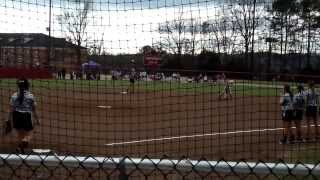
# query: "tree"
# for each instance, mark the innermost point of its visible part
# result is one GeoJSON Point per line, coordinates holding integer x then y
{"type": "Point", "coordinates": [96, 48]}
{"type": "Point", "coordinates": [174, 40]}
{"type": "Point", "coordinates": [285, 24]}
{"type": "Point", "coordinates": [284, 21]}
{"type": "Point", "coordinates": [75, 22]}
{"type": "Point", "coordinates": [151, 50]}
{"type": "Point", "coordinates": [246, 21]}
{"type": "Point", "coordinates": [220, 33]}
{"type": "Point", "coordinates": [193, 28]}
{"type": "Point", "coordinates": [310, 13]}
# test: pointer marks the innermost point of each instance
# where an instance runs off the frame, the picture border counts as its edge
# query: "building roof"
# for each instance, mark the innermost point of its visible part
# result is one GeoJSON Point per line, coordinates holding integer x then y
{"type": "Point", "coordinates": [33, 40]}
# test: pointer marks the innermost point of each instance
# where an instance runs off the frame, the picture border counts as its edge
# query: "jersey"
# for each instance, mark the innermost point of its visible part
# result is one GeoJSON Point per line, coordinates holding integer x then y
{"type": "Point", "coordinates": [27, 104]}
{"type": "Point", "coordinates": [286, 102]}
{"type": "Point", "coordinates": [312, 98]}
{"type": "Point", "coordinates": [299, 101]}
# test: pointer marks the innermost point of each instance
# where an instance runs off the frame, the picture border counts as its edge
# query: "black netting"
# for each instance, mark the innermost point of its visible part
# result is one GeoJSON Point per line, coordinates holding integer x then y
{"type": "Point", "coordinates": [176, 80]}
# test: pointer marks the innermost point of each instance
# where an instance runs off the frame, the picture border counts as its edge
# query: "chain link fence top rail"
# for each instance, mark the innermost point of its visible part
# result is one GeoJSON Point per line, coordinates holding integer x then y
{"type": "Point", "coordinates": [53, 166]}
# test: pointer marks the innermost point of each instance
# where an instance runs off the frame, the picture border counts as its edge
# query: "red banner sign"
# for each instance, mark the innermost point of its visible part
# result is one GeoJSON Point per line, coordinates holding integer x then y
{"type": "Point", "coordinates": [152, 61]}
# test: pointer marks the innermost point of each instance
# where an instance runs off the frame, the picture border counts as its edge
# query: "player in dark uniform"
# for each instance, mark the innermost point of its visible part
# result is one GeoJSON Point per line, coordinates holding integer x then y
{"type": "Point", "coordinates": [22, 107]}
{"type": "Point", "coordinates": [132, 77]}
{"type": "Point", "coordinates": [286, 102]}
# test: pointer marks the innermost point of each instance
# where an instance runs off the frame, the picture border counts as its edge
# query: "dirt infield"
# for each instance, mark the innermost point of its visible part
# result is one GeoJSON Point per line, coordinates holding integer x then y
{"type": "Point", "coordinates": [156, 124]}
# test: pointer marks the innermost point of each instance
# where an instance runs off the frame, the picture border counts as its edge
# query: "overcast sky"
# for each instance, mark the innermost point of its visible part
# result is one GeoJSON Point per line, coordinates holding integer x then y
{"type": "Point", "coordinates": [123, 25]}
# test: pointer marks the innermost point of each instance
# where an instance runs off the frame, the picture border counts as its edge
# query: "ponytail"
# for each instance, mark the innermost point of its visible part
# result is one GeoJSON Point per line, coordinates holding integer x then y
{"type": "Point", "coordinates": [23, 85]}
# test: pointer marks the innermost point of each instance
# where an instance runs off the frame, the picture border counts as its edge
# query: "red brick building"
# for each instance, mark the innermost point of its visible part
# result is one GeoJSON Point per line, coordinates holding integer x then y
{"type": "Point", "coordinates": [31, 50]}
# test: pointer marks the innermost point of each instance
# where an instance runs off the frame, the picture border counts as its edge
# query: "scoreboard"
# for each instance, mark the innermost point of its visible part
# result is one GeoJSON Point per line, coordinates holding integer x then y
{"type": "Point", "coordinates": [152, 61]}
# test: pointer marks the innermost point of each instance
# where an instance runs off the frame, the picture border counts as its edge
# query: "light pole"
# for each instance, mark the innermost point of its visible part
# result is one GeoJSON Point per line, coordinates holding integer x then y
{"type": "Point", "coordinates": [49, 29]}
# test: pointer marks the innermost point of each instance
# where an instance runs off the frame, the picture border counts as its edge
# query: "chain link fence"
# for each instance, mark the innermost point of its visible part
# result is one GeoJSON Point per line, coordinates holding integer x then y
{"type": "Point", "coordinates": [15, 166]}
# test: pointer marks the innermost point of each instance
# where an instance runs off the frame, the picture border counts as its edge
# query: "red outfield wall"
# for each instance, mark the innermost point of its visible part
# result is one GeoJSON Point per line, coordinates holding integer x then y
{"type": "Point", "coordinates": [30, 73]}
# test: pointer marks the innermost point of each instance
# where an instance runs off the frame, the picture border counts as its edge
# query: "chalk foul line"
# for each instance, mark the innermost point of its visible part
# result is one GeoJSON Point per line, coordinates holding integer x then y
{"type": "Point", "coordinates": [194, 136]}
{"type": "Point", "coordinates": [190, 136]}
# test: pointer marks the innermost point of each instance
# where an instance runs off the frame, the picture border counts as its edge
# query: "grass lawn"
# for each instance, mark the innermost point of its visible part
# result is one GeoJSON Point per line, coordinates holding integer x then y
{"type": "Point", "coordinates": [239, 88]}
{"type": "Point", "coordinates": [308, 153]}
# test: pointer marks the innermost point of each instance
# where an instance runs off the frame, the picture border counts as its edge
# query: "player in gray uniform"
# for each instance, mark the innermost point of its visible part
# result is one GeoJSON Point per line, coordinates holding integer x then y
{"type": "Point", "coordinates": [22, 107]}
{"type": "Point", "coordinates": [298, 106]}
{"type": "Point", "coordinates": [226, 91]}
{"type": "Point", "coordinates": [312, 101]}
{"type": "Point", "coordinates": [286, 102]}
{"type": "Point", "coordinates": [132, 76]}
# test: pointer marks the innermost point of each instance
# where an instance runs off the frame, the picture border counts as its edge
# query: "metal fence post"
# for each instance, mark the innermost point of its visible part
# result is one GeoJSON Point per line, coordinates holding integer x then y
{"type": "Point", "coordinates": [122, 170]}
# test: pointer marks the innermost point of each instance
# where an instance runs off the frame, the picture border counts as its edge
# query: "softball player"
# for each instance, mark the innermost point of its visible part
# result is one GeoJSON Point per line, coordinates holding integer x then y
{"type": "Point", "coordinates": [226, 91]}
{"type": "Point", "coordinates": [22, 107]}
{"type": "Point", "coordinates": [298, 106]}
{"type": "Point", "coordinates": [132, 76]}
{"type": "Point", "coordinates": [286, 102]}
{"type": "Point", "coordinates": [312, 101]}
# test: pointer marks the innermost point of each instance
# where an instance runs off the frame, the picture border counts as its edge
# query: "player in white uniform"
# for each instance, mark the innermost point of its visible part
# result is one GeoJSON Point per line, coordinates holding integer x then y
{"type": "Point", "coordinates": [226, 91]}
{"type": "Point", "coordinates": [298, 107]}
{"type": "Point", "coordinates": [286, 102]}
{"type": "Point", "coordinates": [132, 76]}
{"type": "Point", "coordinates": [312, 101]}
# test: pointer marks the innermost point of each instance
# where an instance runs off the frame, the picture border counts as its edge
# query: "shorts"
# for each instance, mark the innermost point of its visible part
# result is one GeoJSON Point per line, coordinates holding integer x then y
{"type": "Point", "coordinates": [298, 114]}
{"type": "Point", "coordinates": [22, 121]}
{"type": "Point", "coordinates": [287, 115]}
{"type": "Point", "coordinates": [131, 80]}
{"type": "Point", "coordinates": [311, 111]}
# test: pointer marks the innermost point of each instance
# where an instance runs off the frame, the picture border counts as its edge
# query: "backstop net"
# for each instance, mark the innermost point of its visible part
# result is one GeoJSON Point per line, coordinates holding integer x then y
{"type": "Point", "coordinates": [162, 89]}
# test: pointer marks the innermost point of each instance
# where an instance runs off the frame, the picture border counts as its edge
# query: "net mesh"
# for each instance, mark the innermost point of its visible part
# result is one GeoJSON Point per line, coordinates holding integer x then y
{"type": "Point", "coordinates": [195, 79]}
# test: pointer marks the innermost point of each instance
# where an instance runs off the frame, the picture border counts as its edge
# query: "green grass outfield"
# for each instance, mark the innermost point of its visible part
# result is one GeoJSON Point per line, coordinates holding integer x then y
{"type": "Point", "coordinates": [240, 87]}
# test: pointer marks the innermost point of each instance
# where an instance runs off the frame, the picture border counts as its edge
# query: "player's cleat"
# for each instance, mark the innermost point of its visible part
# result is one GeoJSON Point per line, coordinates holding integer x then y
{"type": "Point", "coordinates": [22, 147]}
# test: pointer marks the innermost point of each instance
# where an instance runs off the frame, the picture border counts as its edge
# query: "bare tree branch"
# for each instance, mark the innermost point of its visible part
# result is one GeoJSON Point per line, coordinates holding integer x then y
{"type": "Point", "coordinates": [75, 22]}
